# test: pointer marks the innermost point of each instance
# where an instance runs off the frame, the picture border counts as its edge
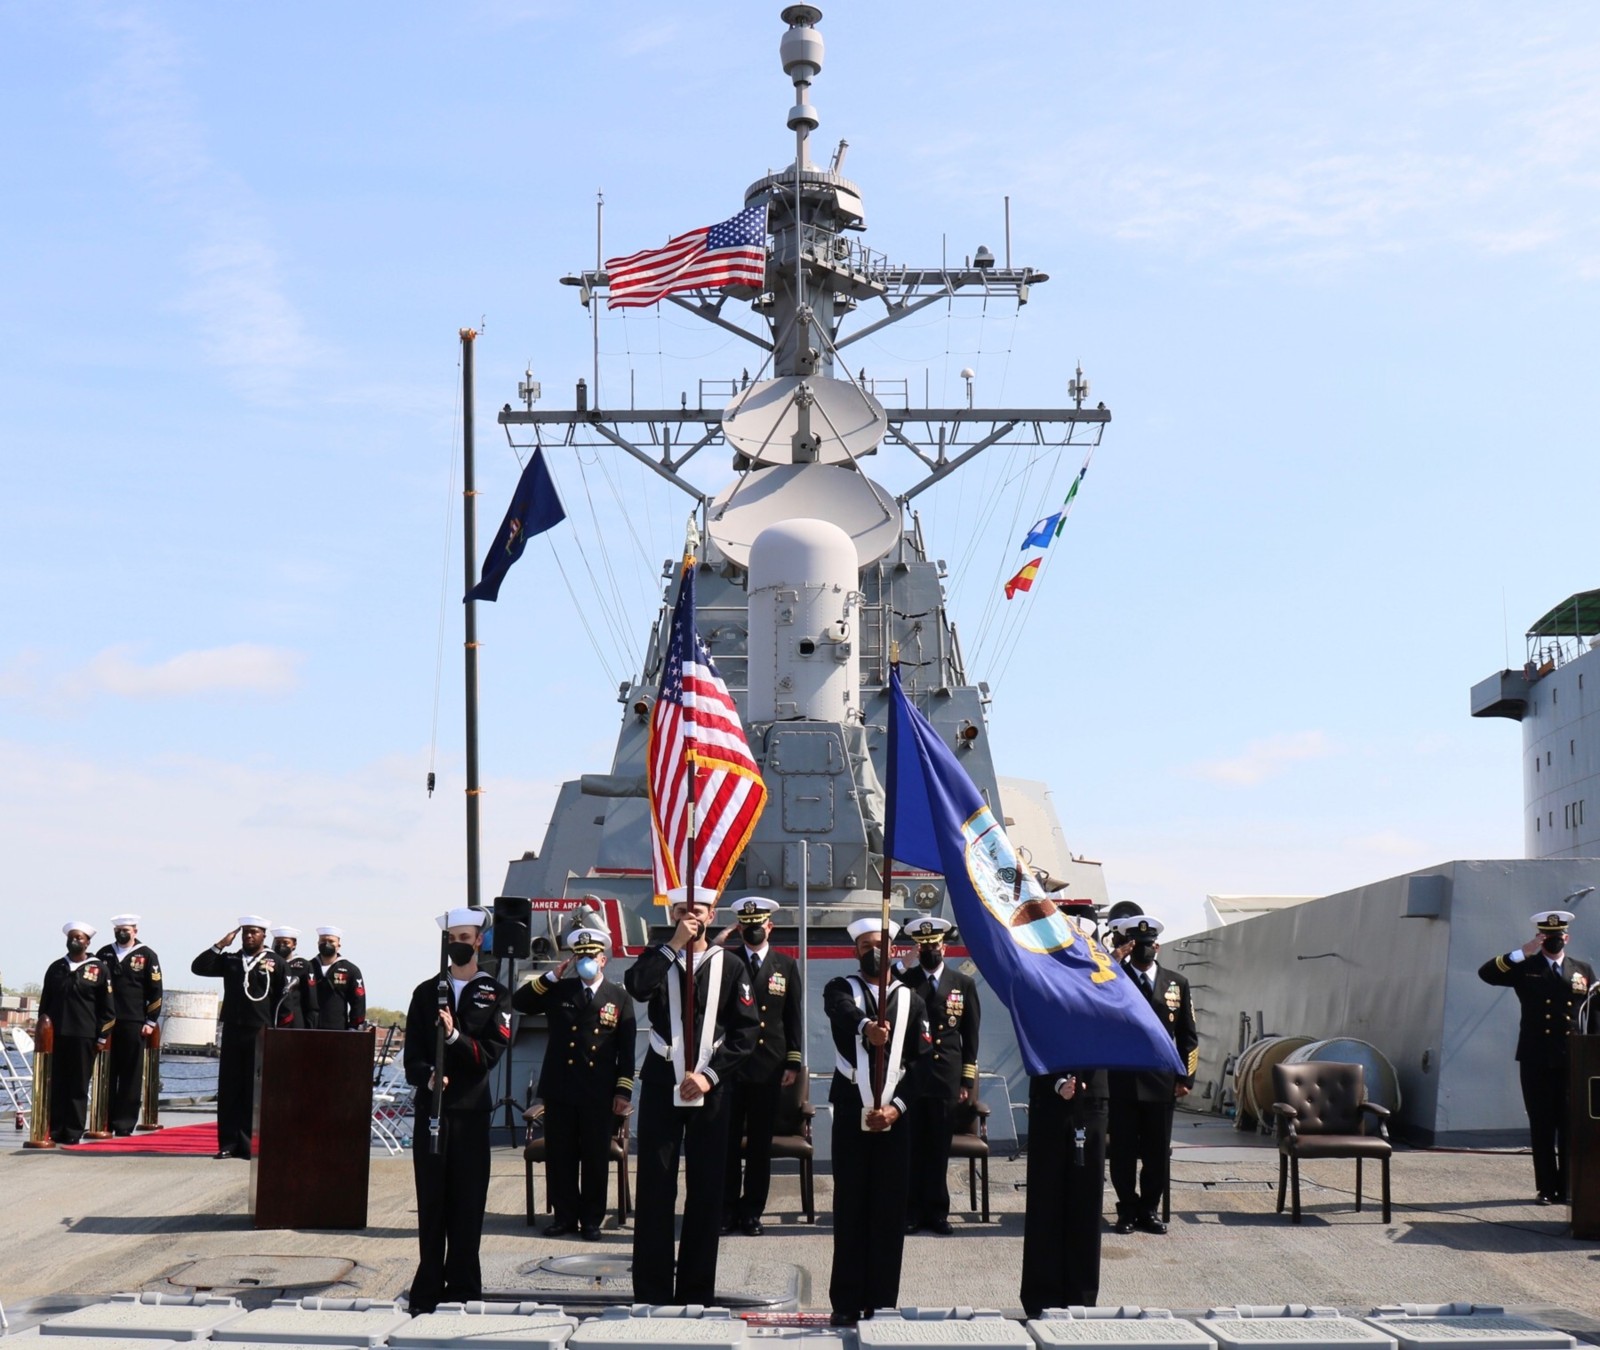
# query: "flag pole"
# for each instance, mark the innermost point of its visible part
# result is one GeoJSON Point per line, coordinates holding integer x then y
{"type": "Point", "coordinates": [469, 542]}
{"type": "Point", "coordinates": [691, 763]}
{"type": "Point", "coordinates": [880, 1063]}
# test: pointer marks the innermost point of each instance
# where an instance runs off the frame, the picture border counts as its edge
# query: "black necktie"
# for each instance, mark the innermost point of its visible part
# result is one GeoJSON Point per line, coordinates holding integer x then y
{"type": "Point", "coordinates": [755, 965]}
{"type": "Point", "coordinates": [1144, 983]}
{"type": "Point", "coordinates": [588, 994]}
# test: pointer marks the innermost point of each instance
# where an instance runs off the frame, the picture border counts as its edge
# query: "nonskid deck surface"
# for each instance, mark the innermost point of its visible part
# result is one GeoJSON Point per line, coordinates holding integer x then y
{"type": "Point", "coordinates": [1465, 1228]}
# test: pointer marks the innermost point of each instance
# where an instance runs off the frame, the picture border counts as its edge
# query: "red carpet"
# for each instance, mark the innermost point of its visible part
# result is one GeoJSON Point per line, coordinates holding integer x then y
{"type": "Point", "coordinates": [198, 1140]}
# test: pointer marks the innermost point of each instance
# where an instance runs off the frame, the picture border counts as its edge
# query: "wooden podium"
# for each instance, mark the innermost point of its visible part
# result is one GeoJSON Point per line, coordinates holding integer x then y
{"type": "Point", "coordinates": [313, 1124]}
{"type": "Point", "coordinates": [1583, 1135]}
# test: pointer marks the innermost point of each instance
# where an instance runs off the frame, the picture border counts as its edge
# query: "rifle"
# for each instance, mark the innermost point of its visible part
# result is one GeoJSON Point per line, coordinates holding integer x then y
{"type": "Point", "coordinates": [437, 1108]}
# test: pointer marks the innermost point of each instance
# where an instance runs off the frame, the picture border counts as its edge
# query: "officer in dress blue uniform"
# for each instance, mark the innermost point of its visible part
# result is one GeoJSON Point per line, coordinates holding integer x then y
{"type": "Point", "coordinates": [452, 1178]}
{"type": "Point", "coordinates": [757, 1085]}
{"type": "Point", "coordinates": [942, 1079]}
{"type": "Point", "coordinates": [586, 1080]}
{"type": "Point", "coordinates": [1550, 986]}
{"type": "Point", "coordinates": [253, 980]}
{"type": "Point", "coordinates": [76, 997]}
{"type": "Point", "coordinates": [871, 1142]}
{"type": "Point", "coordinates": [298, 1009]}
{"type": "Point", "coordinates": [683, 1106]}
{"type": "Point", "coordinates": [1142, 1102]}
{"type": "Point", "coordinates": [136, 990]}
{"type": "Point", "coordinates": [341, 991]}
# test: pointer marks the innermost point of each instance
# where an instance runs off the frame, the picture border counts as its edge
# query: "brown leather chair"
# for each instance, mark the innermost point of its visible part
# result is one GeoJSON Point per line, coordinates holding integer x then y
{"type": "Point", "coordinates": [791, 1138]}
{"type": "Point", "coordinates": [970, 1140]}
{"type": "Point", "coordinates": [1322, 1111]}
{"type": "Point", "coordinates": [533, 1153]}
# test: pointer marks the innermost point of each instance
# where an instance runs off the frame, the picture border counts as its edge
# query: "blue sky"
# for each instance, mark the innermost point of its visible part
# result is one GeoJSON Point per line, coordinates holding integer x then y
{"type": "Point", "coordinates": [1334, 270]}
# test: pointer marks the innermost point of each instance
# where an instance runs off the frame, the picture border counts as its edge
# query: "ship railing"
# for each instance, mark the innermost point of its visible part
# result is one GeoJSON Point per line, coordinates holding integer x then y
{"type": "Point", "coordinates": [392, 1119]}
{"type": "Point", "coordinates": [16, 1075]}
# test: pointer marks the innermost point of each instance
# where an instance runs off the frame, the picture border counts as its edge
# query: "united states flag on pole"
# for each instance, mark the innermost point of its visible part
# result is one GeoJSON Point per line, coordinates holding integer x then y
{"type": "Point", "coordinates": [731, 253]}
{"type": "Point", "coordinates": [694, 724]}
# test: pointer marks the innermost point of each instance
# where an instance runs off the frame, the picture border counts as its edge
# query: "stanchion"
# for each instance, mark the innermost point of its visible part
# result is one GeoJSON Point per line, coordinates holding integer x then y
{"type": "Point", "coordinates": [100, 1096]}
{"type": "Point", "coordinates": [150, 1092]}
{"type": "Point", "coordinates": [39, 1120]}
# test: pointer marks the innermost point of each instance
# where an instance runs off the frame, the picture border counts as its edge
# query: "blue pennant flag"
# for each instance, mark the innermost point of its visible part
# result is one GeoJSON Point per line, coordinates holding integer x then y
{"type": "Point", "coordinates": [1070, 1002]}
{"type": "Point", "coordinates": [535, 507]}
{"type": "Point", "coordinates": [1042, 533]}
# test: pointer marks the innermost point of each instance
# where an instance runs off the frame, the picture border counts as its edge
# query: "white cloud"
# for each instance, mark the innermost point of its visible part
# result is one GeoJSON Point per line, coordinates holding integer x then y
{"type": "Point", "coordinates": [242, 668]}
{"type": "Point", "coordinates": [1266, 759]}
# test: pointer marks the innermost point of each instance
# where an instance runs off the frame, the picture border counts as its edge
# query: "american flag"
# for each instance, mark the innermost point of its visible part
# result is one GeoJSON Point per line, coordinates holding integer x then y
{"type": "Point", "coordinates": [693, 711]}
{"type": "Point", "coordinates": [730, 253]}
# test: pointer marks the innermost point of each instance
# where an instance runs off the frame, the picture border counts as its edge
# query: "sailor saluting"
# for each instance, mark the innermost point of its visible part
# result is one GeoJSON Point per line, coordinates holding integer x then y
{"type": "Point", "coordinates": [253, 981]}
{"type": "Point", "coordinates": [76, 998]}
{"type": "Point", "coordinates": [696, 1040]}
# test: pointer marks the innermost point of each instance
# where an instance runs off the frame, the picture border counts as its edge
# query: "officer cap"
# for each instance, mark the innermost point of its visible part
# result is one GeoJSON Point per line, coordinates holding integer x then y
{"type": "Point", "coordinates": [252, 921]}
{"type": "Point", "coordinates": [78, 926]}
{"type": "Point", "coordinates": [1552, 920]}
{"type": "Point", "coordinates": [753, 908]}
{"type": "Point", "coordinates": [328, 930]}
{"type": "Point", "coordinates": [589, 941]}
{"type": "Point", "coordinates": [1140, 926]}
{"type": "Point", "coordinates": [703, 895]}
{"type": "Point", "coordinates": [125, 921]}
{"type": "Point", "coordinates": [462, 917]}
{"type": "Point", "coordinates": [928, 930]}
{"type": "Point", "coordinates": [284, 932]}
{"type": "Point", "coordinates": [872, 925]}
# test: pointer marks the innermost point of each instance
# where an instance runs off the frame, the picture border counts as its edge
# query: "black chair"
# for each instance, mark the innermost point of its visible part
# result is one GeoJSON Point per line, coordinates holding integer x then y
{"type": "Point", "coordinates": [1322, 1112]}
{"type": "Point", "coordinates": [791, 1138]}
{"type": "Point", "coordinates": [533, 1152]}
{"type": "Point", "coordinates": [970, 1140]}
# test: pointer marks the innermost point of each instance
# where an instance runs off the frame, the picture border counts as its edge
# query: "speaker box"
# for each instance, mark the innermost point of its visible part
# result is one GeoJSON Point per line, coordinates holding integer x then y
{"type": "Point", "coordinates": [513, 927]}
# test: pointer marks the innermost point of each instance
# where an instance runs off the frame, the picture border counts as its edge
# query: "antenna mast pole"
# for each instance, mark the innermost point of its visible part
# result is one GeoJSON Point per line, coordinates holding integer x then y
{"type": "Point", "coordinates": [469, 546]}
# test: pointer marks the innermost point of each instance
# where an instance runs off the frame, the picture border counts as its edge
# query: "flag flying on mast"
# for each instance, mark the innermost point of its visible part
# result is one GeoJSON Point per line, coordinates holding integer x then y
{"type": "Point", "coordinates": [1023, 581]}
{"type": "Point", "coordinates": [1051, 526]}
{"type": "Point", "coordinates": [535, 507]}
{"type": "Point", "coordinates": [695, 728]}
{"type": "Point", "coordinates": [1070, 1003]}
{"type": "Point", "coordinates": [732, 252]}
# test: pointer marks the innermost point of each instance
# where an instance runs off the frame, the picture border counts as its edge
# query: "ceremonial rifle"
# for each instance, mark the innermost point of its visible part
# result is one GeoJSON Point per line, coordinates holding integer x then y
{"type": "Point", "coordinates": [437, 1108]}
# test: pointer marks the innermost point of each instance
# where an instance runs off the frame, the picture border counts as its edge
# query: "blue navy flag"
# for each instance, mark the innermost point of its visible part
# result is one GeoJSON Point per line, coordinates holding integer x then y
{"type": "Point", "coordinates": [535, 507]}
{"type": "Point", "coordinates": [1071, 1004]}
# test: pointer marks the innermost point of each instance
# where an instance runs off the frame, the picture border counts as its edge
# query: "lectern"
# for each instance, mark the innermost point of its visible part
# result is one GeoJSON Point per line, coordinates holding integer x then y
{"type": "Point", "coordinates": [313, 1123]}
{"type": "Point", "coordinates": [1583, 1135]}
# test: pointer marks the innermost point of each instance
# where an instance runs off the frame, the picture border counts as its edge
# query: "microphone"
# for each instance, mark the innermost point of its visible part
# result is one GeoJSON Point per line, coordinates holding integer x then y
{"type": "Point", "coordinates": [277, 1015]}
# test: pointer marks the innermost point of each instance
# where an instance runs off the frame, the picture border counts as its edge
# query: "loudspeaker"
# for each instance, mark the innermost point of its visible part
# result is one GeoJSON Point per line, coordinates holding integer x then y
{"type": "Point", "coordinates": [513, 930]}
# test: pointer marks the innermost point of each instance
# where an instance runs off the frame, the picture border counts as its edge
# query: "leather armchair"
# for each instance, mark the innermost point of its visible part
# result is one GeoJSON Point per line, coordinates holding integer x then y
{"type": "Point", "coordinates": [1322, 1112]}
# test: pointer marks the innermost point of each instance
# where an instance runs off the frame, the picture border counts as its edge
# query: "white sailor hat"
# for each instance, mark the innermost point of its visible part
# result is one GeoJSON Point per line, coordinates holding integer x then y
{"type": "Point", "coordinates": [1552, 920]}
{"type": "Point", "coordinates": [78, 926]}
{"type": "Point", "coordinates": [125, 921]}
{"type": "Point", "coordinates": [328, 930]}
{"type": "Point", "coordinates": [1137, 926]}
{"type": "Point", "coordinates": [703, 895]}
{"type": "Point", "coordinates": [872, 925]}
{"type": "Point", "coordinates": [462, 917]}
{"type": "Point", "coordinates": [928, 929]}
{"type": "Point", "coordinates": [252, 921]}
{"type": "Point", "coordinates": [589, 940]}
{"type": "Point", "coordinates": [753, 908]}
{"type": "Point", "coordinates": [282, 931]}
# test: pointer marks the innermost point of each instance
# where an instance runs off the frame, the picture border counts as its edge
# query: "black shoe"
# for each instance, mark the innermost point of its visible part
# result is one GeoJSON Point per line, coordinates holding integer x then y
{"type": "Point", "coordinates": [122, 1134]}
{"type": "Point", "coordinates": [752, 1228]}
{"type": "Point", "coordinates": [914, 1226]}
{"type": "Point", "coordinates": [561, 1228]}
{"type": "Point", "coordinates": [842, 1319]}
{"type": "Point", "coordinates": [729, 1223]}
{"type": "Point", "coordinates": [942, 1227]}
{"type": "Point", "coordinates": [1148, 1223]}
{"type": "Point", "coordinates": [225, 1153]}
{"type": "Point", "coordinates": [591, 1232]}
{"type": "Point", "coordinates": [1123, 1225]}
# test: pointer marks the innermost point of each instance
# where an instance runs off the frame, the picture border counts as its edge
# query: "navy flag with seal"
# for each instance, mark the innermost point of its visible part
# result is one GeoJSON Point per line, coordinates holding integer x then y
{"type": "Point", "coordinates": [1070, 1002]}
{"type": "Point", "coordinates": [535, 507]}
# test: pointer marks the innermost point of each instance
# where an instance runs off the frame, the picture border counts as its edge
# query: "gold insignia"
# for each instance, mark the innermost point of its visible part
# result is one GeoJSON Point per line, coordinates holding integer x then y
{"type": "Point", "coordinates": [777, 983]}
{"type": "Point", "coordinates": [1174, 997]}
{"type": "Point", "coordinates": [1579, 983]}
{"type": "Point", "coordinates": [608, 1015]}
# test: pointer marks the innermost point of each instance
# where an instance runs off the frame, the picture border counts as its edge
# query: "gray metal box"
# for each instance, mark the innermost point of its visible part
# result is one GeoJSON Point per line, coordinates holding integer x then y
{"type": "Point", "coordinates": [1292, 1328]}
{"type": "Point", "coordinates": [931, 1328]}
{"type": "Point", "coordinates": [528, 1326]}
{"type": "Point", "coordinates": [147, 1317]}
{"type": "Point", "coordinates": [288, 1322]}
{"type": "Point", "coordinates": [1481, 1330]}
{"type": "Point", "coordinates": [641, 1326]}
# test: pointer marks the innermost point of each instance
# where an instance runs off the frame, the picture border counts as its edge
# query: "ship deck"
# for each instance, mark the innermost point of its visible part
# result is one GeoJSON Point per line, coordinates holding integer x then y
{"type": "Point", "coordinates": [79, 1228]}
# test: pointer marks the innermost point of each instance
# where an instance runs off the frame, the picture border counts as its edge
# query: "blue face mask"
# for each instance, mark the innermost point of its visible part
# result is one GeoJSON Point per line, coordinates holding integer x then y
{"type": "Point", "coordinates": [588, 968]}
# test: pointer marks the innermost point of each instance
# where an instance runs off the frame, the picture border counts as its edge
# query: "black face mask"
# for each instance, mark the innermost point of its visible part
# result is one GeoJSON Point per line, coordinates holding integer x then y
{"type": "Point", "coordinates": [76, 946]}
{"type": "Point", "coordinates": [1144, 953]}
{"type": "Point", "coordinates": [1553, 943]}
{"type": "Point", "coordinates": [124, 936]}
{"type": "Point", "coordinates": [869, 961]}
{"type": "Point", "coordinates": [931, 958]}
{"type": "Point", "coordinates": [284, 949]}
{"type": "Point", "coordinates": [755, 934]}
{"type": "Point", "coordinates": [326, 948]}
{"type": "Point", "coordinates": [460, 953]}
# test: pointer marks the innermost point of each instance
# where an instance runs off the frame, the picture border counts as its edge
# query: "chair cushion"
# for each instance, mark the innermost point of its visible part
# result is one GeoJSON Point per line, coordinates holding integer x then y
{"type": "Point", "coordinates": [968, 1146]}
{"type": "Point", "coordinates": [791, 1146]}
{"type": "Point", "coordinates": [1336, 1146]}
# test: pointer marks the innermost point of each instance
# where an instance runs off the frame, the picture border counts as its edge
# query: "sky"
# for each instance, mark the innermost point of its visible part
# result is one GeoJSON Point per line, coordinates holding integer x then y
{"type": "Point", "coordinates": [1334, 269]}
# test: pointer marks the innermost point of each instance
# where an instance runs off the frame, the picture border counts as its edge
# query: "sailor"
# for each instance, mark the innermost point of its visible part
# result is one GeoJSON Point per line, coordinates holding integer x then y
{"type": "Point", "coordinates": [341, 991]}
{"type": "Point", "coordinates": [297, 1011]}
{"type": "Point", "coordinates": [451, 1167]}
{"type": "Point", "coordinates": [944, 1078]}
{"type": "Point", "coordinates": [776, 1063]}
{"type": "Point", "coordinates": [76, 998]}
{"type": "Point", "coordinates": [1550, 986]}
{"type": "Point", "coordinates": [683, 1105]}
{"type": "Point", "coordinates": [586, 1081]}
{"type": "Point", "coordinates": [253, 980]}
{"type": "Point", "coordinates": [873, 1047]}
{"type": "Point", "coordinates": [136, 988]}
{"type": "Point", "coordinates": [1066, 1177]}
{"type": "Point", "coordinates": [1142, 1102]}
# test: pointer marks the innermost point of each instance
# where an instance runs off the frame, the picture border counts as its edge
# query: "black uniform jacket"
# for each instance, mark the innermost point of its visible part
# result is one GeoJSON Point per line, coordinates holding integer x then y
{"type": "Point", "coordinates": [342, 996]}
{"type": "Point", "coordinates": [847, 1022]}
{"type": "Point", "coordinates": [250, 997]}
{"type": "Point", "coordinates": [483, 1023]}
{"type": "Point", "coordinates": [780, 1016]}
{"type": "Point", "coordinates": [646, 980]}
{"type": "Point", "coordinates": [1549, 1002]}
{"type": "Point", "coordinates": [135, 982]}
{"type": "Point", "coordinates": [78, 1002]}
{"type": "Point", "coordinates": [300, 1006]}
{"type": "Point", "coordinates": [952, 1014]}
{"type": "Point", "coordinates": [590, 1050]}
{"type": "Point", "coordinates": [1175, 1007]}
